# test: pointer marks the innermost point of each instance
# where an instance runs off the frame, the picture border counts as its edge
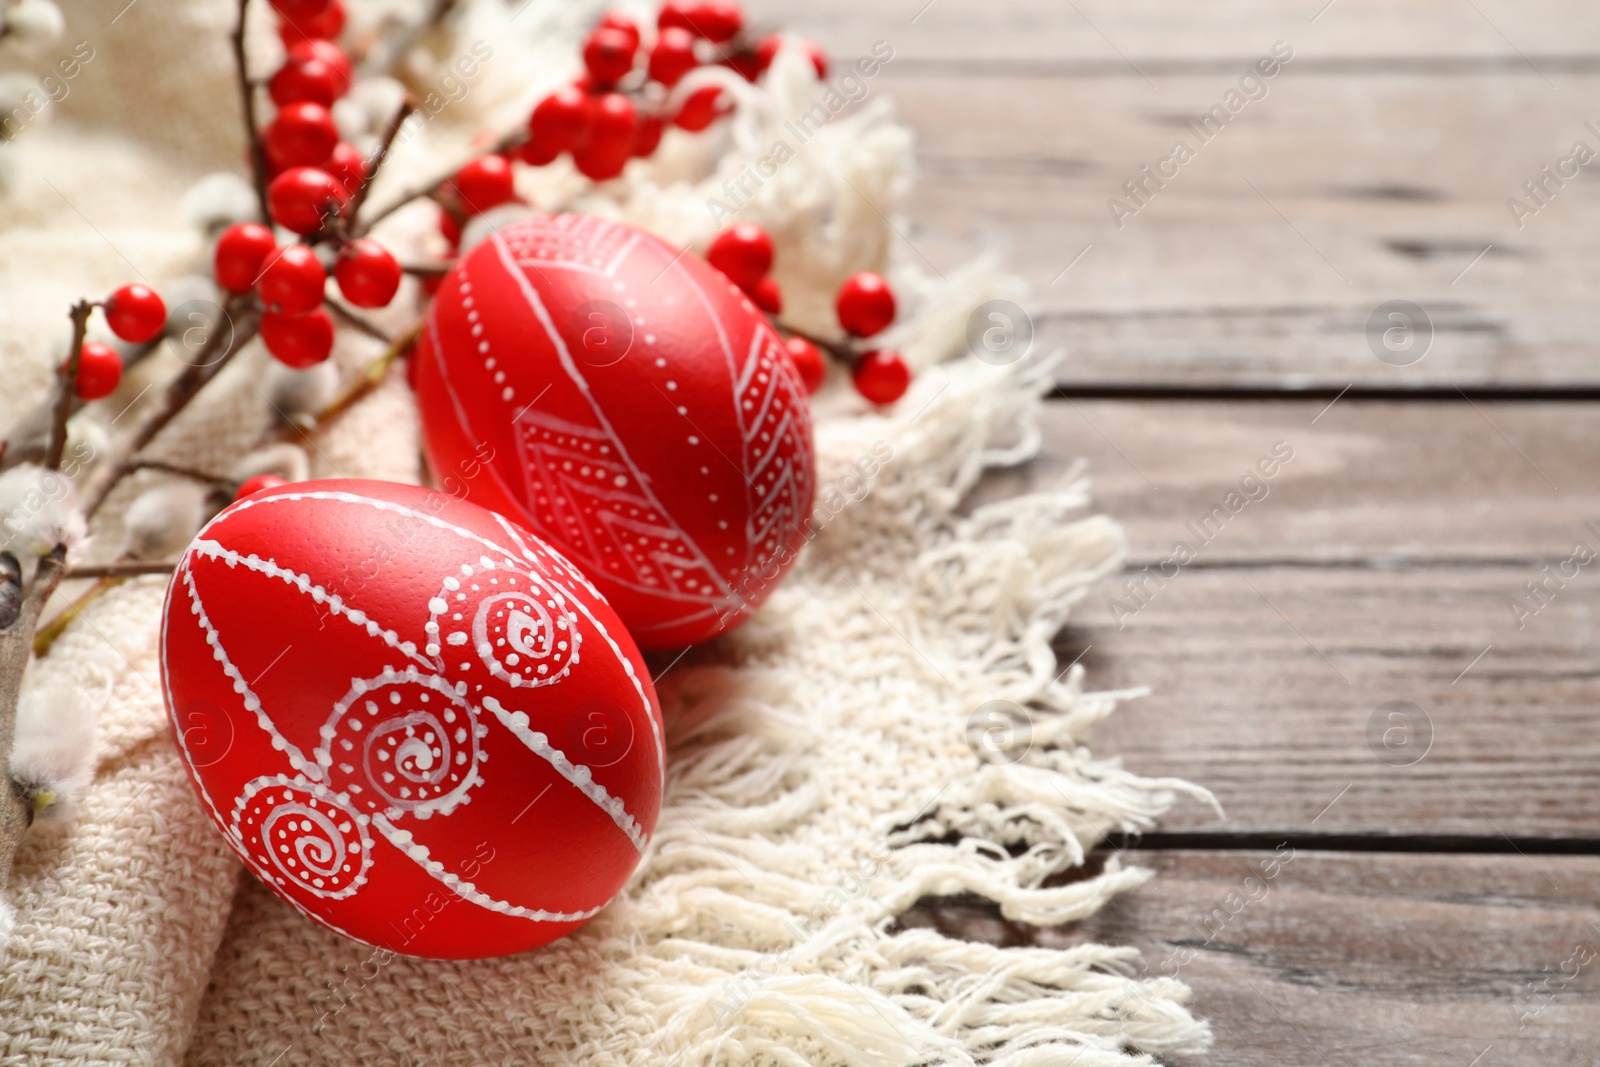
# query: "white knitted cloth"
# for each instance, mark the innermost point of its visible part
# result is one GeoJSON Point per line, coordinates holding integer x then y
{"type": "Point", "coordinates": [820, 779]}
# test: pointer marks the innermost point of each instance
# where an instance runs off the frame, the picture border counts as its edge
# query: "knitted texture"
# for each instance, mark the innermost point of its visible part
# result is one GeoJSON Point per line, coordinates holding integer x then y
{"type": "Point", "coordinates": [822, 774]}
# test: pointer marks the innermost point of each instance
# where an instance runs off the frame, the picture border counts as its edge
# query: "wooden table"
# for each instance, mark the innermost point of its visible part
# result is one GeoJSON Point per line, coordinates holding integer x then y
{"type": "Point", "coordinates": [1341, 661]}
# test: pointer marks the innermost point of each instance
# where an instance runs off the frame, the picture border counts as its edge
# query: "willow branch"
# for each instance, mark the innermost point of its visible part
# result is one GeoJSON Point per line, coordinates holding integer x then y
{"type": "Point", "coordinates": [179, 470]}
{"type": "Point", "coordinates": [129, 569]}
{"type": "Point", "coordinates": [16, 645]}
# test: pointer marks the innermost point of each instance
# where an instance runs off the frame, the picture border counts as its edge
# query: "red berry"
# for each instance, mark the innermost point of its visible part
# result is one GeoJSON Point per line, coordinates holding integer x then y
{"type": "Point", "coordinates": [608, 142]}
{"type": "Point", "coordinates": [136, 313]}
{"type": "Point", "coordinates": [348, 166]}
{"type": "Point", "coordinates": [294, 281]}
{"type": "Point", "coordinates": [808, 361]}
{"type": "Point", "coordinates": [302, 198]}
{"type": "Point", "coordinates": [558, 119]}
{"type": "Point", "coordinates": [484, 183]}
{"type": "Point", "coordinates": [715, 20]}
{"type": "Point", "coordinates": [767, 50]}
{"type": "Point", "coordinates": [302, 135]}
{"type": "Point", "coordinates": [700, 109]}
{"type": "Point", "coordinates": [241, 250]}
{"type": "Point", "coordinates": [536, 153]}
{"type": "Point", "coordinates": [298, 340]}
{"type": "Point", "coordinates": [327, 26]}
{"type": "Point", "coordinates": [743, 252]}
{"type": "Point", "coordinates": [819, 58]}
{"type": "Point", "coordinates": [744, 64]}
{"type": "Point", "coordinates": [99, 371]}
{"type": "Point", "coordinates": [258, 483]}
{"type": "Point", "coordinates": [616, 20]}
{"type": "Point", "coordinates": [329, 53]}
{"type": "Point", "coordinates": [767, 296]}
{"type": "Point", "coordinates": [313, 81]}
{"type": "Point", "coordinates": [647, 137]}
{"type": "Point", "coordinates": [608, 53]}
{"type": "Point", "coordinates": [882, 376]}
{"type": "Point", "coordinates": [865, 304]}
{"type": "Point", "coordinates": [673, 56]}
{"type": "Point", "coordinates": [601, 161]}
{"type": "Point", "coordinates": [296, 10]}
{"type": "Point", "coordinates": [672, 15]}
{"type": "Point", "coordinates": [611, 120]}
{"type": "Point", "coordinates": [367, 274]}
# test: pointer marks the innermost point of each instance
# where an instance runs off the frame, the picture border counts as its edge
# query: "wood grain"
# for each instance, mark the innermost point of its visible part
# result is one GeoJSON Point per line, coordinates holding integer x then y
{"type": "Point", "coordinates": [1388, 485]}
{"type": "Point", "coordinates": [1272, 687]}
{"type": "Point", "coordinates": [1347, 958]}
{"type": "Point", "coordinates": [1384, 559]}
{"type": "Point", "coordinates": [1264, 259]}
{"type": "Point", "coordinates": [1148, 32]}
{"type": "Point", "coordinates": [1377, 167]}
{"type": "Point", "coordinates": [1381, 563]}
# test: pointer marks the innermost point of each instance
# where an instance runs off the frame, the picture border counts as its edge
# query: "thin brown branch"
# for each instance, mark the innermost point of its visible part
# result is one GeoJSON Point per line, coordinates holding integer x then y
{"type": "Point", "coordinates": [128, 569]}
{"type": "Point", "coordinates": [508, 141]}
{"type": "Point", "coordinates": [836, 349]}
{"type": "Point", "coordinates": [247, 94]}
{"type": "Point", "coordinates": [26, 440]}
{"type": "Point", "coordinates": [181, 471]}
{"type": "Point", "coordinates": [66, 379]}
{"type": "Point", "coordinates": [428, 270]}
{"type": "Point", "coordinates": [243, 319]}
{"type": "Point", "coordinates": [382, 153]}
{"type": "Point", "coordinates": [360, 322]}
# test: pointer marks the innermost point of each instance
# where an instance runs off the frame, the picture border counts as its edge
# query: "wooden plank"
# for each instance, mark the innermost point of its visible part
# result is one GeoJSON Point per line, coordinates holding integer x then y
{"type": "Point", "coordinates": [1021, 32]}
{"type": "Point", "coordinates": [1390, 484]}
{"type": "Point", "coordinates": [1277, 689]}
{"type": "Point", "coordinates": [1265, 259]}
{"type": "Point", "coordinates": [1350, 958]}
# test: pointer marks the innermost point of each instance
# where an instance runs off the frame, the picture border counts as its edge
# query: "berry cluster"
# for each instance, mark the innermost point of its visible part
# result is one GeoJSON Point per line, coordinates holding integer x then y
{"type": "Point", "coordinates": [312, 176]}
{"type": "Point", "coordinates": [616, 111]}
{"type": "Point", "coordinates": [618, 108]}
{"type": "Point", "coordinates": [864, 304]}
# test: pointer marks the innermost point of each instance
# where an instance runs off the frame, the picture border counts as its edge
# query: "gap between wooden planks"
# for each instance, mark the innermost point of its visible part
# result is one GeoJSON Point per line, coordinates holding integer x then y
{"type": "Point", "coordinates": [1316, 958]}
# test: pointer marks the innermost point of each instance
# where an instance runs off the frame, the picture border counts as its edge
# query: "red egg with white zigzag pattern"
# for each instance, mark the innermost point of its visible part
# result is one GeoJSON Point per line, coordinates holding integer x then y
{"type": "Point", "coordinates": [411, 718]}
{"type": "Point", "coordinates": [636, 411]}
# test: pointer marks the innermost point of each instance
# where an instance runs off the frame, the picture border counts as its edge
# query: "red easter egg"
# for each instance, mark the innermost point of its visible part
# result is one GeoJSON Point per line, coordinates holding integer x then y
{"type": "Point", "coordinates": [412, 719]}
{"type": "Point", "coordinates": [644, 417]}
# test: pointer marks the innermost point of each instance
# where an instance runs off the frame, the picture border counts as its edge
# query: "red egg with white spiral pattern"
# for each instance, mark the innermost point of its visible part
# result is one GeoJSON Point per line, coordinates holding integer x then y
{"type": "Point", "coordinates": [412, 719]}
